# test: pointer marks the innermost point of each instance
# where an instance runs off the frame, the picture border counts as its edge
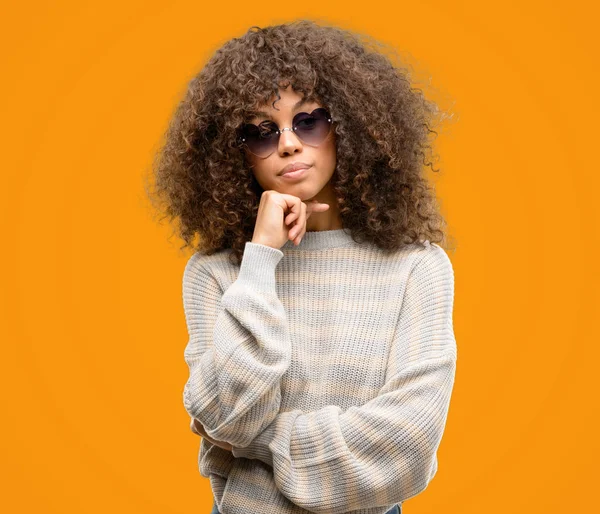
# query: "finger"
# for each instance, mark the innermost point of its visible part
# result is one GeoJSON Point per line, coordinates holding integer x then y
{"type": "Point", "coordinates": [292, 214]}
{"type": "Point", "coordinates": [220, 444]}
{"type": "Point", "coordinates": [293, 232]}
{"type": "Point", "coordinates": [299, 208]}
{"type": "Point", "coordinates": [300, 236]}
{"type": "Point", "coordinates": [301, 227]}
{"type": "Point", "coordinates": [290, 217]}
{"type": "Point", "coordinates": [196, 427]}
{"type": "Point", "coordinates": [210, 439]}
{"type": "Point", "coordinates": [292, 202]}
{"type": "Point", "coordinates": [302, 232]}
{"type": "Point", "coordinates": [297, 229]}
{"type": "Point", "coordinates": [305, 210]}
{"type": "Point", "coordinates": [317, 207]}
{"type": "Point", "coordinates": [315, 204]}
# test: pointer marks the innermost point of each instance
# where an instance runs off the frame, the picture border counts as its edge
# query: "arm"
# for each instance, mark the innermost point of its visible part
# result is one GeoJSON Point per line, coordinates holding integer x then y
{"type": "Point", "coordinates": [239, 346]}
{"type": "Point", "coordinates": [385, 451]}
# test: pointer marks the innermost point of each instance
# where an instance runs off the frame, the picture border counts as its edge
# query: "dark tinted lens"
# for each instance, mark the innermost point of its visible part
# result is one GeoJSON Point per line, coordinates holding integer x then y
{"type": "Point", "coordinates": [261, 139]}
{"type": "Point", "coordinates": [312, 128]}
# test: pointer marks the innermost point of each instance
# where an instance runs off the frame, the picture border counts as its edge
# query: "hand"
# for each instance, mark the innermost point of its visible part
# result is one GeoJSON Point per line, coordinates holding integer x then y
{"type": "Point", "coordinates": [271, 227]}
{"type": "Point", "coordinates": [198, 429]}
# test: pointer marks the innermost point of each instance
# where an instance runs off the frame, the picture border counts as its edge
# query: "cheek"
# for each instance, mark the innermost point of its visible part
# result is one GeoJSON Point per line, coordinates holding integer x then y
{"type": "Point", "coordinates": [264, 171]}
{"type": "Point", "coordinates": [329, 153]}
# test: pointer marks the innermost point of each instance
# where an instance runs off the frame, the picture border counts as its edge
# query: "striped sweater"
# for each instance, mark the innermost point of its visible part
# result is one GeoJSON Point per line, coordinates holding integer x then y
{"type": "Point", "coordinates": [329, 368]}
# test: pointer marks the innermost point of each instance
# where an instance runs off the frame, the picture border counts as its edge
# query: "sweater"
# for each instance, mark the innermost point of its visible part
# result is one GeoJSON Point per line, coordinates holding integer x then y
{"type": "Point", "coordinates": [328, 367]}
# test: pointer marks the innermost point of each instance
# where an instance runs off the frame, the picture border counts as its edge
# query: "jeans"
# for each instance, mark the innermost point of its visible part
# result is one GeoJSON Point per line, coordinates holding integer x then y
{"type": "Point", "coordinates": [396, 509]}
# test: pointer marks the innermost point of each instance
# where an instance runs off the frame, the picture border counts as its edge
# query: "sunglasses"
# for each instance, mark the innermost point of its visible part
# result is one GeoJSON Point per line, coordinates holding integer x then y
{"type": "Point", "coordinates": [262, 140]}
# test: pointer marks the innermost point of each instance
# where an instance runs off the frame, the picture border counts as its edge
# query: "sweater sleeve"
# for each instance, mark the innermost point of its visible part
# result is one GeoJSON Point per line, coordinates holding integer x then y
{"type": "Point", "coordinates": [238, 348]}
{"type": "Point", "coordinates": [384, 451]}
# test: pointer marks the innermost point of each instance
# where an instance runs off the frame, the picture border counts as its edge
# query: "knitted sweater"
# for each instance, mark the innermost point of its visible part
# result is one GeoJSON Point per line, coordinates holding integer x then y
{"type": "Point", "coordinates": [329, 368]}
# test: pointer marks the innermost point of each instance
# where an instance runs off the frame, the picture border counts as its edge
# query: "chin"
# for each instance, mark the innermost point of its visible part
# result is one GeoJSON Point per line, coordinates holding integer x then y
{"type": "Point", "coordinates": [303, 191]}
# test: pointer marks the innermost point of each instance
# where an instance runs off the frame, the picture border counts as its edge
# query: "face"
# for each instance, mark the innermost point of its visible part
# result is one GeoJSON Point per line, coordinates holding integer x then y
{"type": "Point", "coordinates": [314, 182]}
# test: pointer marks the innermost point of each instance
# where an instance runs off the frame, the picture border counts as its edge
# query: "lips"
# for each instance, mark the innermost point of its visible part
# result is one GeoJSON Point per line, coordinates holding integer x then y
{"type": "Point", "coordinates": [294, 166]}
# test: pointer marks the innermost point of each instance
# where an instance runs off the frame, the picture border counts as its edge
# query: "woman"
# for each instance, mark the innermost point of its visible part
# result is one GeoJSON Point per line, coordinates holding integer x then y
{"type": "Point", "coordinates": [318, 303]}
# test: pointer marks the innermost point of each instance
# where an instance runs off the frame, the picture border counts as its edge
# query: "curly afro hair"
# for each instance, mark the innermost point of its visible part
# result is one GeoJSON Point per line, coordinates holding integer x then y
{"type": "Point", "coordinates": [382, 129]}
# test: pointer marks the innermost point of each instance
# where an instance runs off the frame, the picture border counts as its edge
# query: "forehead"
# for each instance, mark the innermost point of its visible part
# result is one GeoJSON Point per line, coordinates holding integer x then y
{"type": "Point", "coordinates": [282, 106]}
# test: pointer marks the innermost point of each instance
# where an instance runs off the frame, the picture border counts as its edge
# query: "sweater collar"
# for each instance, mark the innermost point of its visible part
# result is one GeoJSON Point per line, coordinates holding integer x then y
{"type": "Point", "coordinates": [321, 239]}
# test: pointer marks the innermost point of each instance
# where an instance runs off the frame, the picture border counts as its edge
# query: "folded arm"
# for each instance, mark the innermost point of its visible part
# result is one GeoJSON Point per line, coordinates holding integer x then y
{"type": "Point", "coordinates": [385, 451]}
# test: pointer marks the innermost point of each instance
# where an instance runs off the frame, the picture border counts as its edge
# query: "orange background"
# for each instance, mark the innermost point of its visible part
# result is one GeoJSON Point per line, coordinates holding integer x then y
{"type": "Point", "coordinates": [92, 322]}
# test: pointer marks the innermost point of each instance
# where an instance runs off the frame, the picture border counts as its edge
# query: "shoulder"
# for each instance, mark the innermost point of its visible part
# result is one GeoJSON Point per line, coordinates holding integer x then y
{"type": "Point", "coordinates": [197, 262]}
{"type": "Point", "coordinates": [431, 261]}
{"type": "Point", "coordinates": [202, 268]}
{"type": "Point", "coordinates": [200, 260]}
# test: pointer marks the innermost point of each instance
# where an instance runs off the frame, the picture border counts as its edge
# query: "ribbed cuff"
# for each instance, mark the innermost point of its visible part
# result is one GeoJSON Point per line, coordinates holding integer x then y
{"type": "Point", "coordinates": [278, 433]}
{"type": "Point", "coordinates": [257, 268]}
{"type": "Point", "coordinates": [258, 448]}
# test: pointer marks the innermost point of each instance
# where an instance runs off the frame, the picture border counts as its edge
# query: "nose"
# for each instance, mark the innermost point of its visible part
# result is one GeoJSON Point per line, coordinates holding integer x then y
{"type": "Point", "coordinates": [289, 142]}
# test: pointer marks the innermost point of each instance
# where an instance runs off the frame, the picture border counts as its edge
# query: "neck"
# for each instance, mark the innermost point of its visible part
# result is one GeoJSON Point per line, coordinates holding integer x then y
{"type": "Point", "coordinates": [327, 220]}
